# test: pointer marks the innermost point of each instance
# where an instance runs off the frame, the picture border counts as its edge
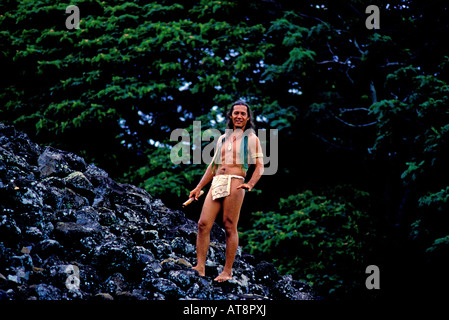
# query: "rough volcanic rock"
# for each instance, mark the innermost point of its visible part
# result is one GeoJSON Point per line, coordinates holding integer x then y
{"type": "Point", "coordinates": [70, 232]}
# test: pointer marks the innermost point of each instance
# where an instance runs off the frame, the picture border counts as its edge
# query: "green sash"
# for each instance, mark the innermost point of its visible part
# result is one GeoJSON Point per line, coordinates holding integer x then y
{"type": "Point", "coordinates": [243, 154]}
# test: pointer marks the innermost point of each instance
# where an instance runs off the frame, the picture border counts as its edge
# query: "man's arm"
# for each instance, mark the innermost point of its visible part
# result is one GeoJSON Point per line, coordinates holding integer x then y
{"type": "Point", "coordinates": [258, 172]}
{"type": "Point", "coordinates": [207, 177]}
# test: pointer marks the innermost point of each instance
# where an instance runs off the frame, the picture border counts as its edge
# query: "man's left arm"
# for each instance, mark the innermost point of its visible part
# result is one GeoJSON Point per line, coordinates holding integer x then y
{"type": "Point", "coordinates": [258, 172]}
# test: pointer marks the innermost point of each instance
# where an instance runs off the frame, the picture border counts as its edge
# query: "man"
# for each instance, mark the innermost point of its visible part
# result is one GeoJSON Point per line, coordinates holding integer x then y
{"type": "Point", "coordinates": [235, 149]}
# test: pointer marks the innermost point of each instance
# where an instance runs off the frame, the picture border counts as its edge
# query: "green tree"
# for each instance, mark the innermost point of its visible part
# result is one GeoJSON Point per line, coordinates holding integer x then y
{"type": "Point", "coordinates": [323, 240]}
{"type": "Point", "coordinates": [132, 72]}
{"type": "Point", "coordinates": [358, 106]}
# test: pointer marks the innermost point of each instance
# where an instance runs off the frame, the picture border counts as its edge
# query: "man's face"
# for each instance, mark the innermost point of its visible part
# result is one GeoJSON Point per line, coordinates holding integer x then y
{"type": "Point", "coordinates": [239, 116]}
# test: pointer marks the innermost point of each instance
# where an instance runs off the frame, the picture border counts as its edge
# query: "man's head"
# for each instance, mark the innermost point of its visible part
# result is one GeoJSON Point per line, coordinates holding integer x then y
{"type": "Point", "coordinates": [240, 116]}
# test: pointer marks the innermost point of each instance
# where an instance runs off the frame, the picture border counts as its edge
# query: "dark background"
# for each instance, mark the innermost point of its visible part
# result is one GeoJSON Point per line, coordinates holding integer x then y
{"type": "Point", "coordinates": [358, 109]}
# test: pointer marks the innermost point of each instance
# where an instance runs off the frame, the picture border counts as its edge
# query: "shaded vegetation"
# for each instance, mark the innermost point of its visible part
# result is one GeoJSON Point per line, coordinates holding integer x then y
{"type": "Point", "coordinates": [363, 110]}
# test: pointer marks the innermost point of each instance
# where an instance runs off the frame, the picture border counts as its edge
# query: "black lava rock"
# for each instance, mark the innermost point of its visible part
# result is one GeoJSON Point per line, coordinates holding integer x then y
{"type": "Point", "coordinates": [70, 232]}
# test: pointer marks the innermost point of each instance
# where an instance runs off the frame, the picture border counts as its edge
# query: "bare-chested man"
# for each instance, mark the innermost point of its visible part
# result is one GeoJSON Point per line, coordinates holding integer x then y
{"type": "Point", "coordinates": [227, 172]}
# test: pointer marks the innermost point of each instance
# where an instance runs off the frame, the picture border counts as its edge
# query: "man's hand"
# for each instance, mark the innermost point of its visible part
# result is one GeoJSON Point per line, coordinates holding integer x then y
{"type": "Point", "coordinates": [245, 186]}
{"type": "Point", "coordinates": [195, 193]}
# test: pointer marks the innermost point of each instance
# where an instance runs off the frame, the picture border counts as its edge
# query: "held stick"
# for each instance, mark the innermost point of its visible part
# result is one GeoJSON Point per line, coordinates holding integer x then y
{"type": "Point", "coordinates": [191, 199]}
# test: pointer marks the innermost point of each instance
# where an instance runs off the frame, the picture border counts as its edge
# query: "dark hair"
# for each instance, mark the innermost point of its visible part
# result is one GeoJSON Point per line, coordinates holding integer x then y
{"type": "Point", "coordinates": [249, 124]}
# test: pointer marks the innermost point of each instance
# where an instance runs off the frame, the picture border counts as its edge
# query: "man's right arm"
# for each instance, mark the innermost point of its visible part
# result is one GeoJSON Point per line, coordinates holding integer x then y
{"type": "Point", "coordinates": [207, 177]}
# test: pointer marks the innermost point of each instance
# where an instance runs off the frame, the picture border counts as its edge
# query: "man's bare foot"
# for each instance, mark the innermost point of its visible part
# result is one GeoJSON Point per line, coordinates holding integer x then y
{"type": "Point", "coordinates": [201, 271]}
{"type": "Point", "coordinates": [224, 276]}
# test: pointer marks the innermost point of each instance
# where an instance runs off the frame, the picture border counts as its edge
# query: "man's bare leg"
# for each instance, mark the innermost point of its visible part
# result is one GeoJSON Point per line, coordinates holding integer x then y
{"type": "Point", "coordinates": [231, 212]}
{"type": "Point", "coordinates": [209, 213]}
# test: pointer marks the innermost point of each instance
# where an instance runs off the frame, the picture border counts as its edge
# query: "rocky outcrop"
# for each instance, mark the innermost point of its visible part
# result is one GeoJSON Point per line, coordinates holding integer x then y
{"type": "Point", "coordinates": [68, 231]}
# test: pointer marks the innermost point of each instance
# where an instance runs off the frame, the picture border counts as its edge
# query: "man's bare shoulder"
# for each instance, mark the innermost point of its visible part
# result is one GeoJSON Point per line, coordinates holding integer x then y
{"type": "Point", "coordinates": [220, 138]}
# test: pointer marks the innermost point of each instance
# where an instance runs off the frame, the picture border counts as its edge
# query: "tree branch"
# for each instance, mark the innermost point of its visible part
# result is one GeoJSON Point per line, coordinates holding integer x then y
{"type": "Point", "coordinates": [351, 124]}
{"type": "Point", "coordinates": [358, 48]}
{"type": "Point", "coordinates": [373, 92]}
{"type": "Point", "coordinates": [331, 143]}
{"type": "Point", "coordinates": [354, 109]}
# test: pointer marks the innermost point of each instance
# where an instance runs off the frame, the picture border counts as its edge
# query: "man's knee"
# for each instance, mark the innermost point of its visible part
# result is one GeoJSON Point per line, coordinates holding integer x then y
{"type": "Point", "coordinates": [230, 226]}
{"type": "Point", "coordinates": [204, 225]}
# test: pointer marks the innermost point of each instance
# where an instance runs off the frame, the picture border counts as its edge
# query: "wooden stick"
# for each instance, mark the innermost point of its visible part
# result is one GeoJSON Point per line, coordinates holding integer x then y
{"type": "Point", "coordinates": [191, 199]}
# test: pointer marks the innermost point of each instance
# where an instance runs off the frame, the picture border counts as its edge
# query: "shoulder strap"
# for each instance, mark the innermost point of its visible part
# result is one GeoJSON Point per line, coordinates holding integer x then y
{"type": "Point", "coordinates": [244, 154]}
{"type": "Point", "coordinates": [217, 154]}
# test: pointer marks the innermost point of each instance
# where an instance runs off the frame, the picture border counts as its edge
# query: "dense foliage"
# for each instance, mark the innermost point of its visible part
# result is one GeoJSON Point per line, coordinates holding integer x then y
{"type": "Point", "coordinates": [323, 239]}
{"type": "Point", "coordinates": [353, 106]}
